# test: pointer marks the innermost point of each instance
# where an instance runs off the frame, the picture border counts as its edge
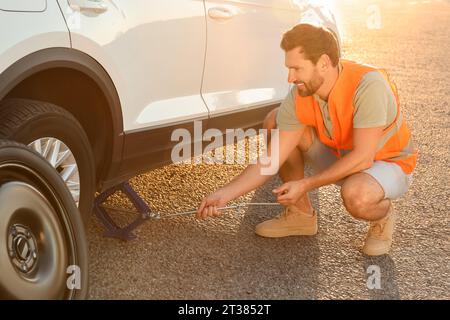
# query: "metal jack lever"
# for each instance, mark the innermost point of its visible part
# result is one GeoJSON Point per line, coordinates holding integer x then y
{"type": "Point", "coordinates": [143, 212]}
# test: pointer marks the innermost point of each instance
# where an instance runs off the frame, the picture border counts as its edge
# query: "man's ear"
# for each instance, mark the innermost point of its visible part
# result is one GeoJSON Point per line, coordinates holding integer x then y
{"type": "Point", "coordinates": [324, 62]}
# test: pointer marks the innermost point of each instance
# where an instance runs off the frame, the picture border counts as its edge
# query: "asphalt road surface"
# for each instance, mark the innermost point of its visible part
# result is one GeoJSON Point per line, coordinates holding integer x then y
{"type": "Point", "coordinates": [183, 258]}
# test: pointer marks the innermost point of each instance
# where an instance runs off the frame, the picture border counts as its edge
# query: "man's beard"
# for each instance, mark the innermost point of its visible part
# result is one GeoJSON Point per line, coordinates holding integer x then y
{"type": "Point", "coordinates": [310, 88]}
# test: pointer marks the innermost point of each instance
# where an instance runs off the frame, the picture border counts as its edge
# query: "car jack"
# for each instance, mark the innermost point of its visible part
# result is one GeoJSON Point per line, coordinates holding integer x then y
{"type": "Point", "coordinates": [112, 229]}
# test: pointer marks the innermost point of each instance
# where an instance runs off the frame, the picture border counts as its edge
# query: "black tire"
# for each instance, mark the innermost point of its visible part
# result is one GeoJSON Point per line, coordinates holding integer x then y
{"type": "Point", "coordinates": [26, 121]}
{"type": "Point", "coordinates": [41, 231]}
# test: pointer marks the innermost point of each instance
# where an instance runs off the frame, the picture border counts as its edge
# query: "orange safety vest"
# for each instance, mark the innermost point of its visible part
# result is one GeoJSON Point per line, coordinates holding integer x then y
{"type": "Point", "coordinates": [396, 143]}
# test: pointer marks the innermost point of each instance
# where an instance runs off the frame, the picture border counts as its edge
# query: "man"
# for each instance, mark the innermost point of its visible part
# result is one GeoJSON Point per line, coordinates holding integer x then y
{"type": "Point", "coordinates": [345, 119]}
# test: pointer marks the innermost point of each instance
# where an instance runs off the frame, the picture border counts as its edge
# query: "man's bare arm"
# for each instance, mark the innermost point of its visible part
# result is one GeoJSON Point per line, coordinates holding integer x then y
{"type": "Point", "coordinates": [365, 143]}
{"type": "Point", "coordinates": [252, 177]}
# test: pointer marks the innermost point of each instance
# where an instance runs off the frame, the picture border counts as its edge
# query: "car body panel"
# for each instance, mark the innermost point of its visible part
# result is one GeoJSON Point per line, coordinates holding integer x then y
{"type": "Point", "coordinates": [244, 62]}
{"type": "Point", "coordinates": [153, 51]}
{"type": "Point", "coordinates": [33, 31]}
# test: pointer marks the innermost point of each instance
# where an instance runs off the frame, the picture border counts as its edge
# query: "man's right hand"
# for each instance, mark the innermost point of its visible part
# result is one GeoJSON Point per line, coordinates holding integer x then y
{"type": "Point", "coordinates": [210, 205]}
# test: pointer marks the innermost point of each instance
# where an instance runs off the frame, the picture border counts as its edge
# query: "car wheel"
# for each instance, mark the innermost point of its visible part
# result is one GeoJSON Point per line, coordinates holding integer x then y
{"type": "Point", "coordinates": [43, 248]}
{"type": "Point", "coordinates": [57, 136]}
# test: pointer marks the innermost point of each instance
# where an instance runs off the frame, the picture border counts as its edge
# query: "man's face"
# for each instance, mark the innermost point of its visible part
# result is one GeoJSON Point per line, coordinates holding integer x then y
{"type": "Point", "coordinates": [303, 73]}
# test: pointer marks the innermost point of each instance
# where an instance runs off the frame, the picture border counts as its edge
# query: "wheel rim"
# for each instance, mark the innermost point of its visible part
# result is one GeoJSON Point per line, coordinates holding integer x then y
{"type": "Point", "coordinates": [62, 159]}
{"type": "Point", "coordinates": [37, 242]}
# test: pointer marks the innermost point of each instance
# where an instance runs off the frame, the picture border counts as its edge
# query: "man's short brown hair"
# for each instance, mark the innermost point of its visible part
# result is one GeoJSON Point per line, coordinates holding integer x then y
{"type": "Point", "coordinates": [314, 42]}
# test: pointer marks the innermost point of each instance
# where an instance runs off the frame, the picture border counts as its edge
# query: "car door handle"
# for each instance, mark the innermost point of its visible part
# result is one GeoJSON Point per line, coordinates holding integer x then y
{"type": "Point", "coordinates": [96, 6]}
{"type": "Point", "coordinates": [220, 13]}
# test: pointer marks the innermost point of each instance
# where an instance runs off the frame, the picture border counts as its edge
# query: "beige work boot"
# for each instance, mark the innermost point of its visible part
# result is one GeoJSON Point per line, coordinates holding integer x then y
{"type": "Point", "coordinates": [379, 237]}
{"type": "Point", "coordinates": [291, 222]}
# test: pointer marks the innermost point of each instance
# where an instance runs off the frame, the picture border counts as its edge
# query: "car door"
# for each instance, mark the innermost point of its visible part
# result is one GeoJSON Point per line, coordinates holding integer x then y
{"type": "Point", "coordinates": [153, 51]}
{"type": "Point", "coordinates": [244, 65]}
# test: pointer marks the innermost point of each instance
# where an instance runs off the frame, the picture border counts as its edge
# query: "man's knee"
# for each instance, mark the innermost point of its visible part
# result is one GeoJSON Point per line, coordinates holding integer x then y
{"type": "Point", "coordinates": [360, 196]}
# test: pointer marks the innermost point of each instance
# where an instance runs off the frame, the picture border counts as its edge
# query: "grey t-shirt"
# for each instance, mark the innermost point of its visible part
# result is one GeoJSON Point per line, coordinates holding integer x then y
{"type": "Point", "coordinates": [375, 106]}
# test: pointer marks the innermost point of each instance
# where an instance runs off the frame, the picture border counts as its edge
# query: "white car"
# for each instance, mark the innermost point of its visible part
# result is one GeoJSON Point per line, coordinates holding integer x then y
{"type": "Point", "coordinates": [96, 87]}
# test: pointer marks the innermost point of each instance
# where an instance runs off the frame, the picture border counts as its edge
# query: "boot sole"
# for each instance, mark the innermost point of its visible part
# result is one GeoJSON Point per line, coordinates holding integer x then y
{"type": "Point", "coordinates": [376, 252]}
{"type": "Point", "coordinates": [287, 233]}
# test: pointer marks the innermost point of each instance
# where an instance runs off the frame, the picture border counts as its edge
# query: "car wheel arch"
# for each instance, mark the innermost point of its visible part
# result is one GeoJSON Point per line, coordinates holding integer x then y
{"type": "Point", "coordinates": [73, 64]}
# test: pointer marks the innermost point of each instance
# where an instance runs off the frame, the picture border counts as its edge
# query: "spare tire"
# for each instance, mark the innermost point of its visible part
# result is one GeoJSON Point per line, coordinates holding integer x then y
{"type": "Point", "coordinates": [43, 247]}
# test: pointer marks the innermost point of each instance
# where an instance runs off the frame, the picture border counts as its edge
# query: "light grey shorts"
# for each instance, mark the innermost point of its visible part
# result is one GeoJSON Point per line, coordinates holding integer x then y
{"type": "Point", "coordinates": [390, 176]}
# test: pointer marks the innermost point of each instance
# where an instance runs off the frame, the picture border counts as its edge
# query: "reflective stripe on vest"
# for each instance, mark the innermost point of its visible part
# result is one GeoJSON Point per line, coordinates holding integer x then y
{"type": "Point", "coordinates": [395, 145]}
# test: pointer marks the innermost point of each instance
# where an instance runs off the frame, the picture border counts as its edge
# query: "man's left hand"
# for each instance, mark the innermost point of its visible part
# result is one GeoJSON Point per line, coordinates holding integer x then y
{"type": "Point", "coordinates": [291, 192]}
